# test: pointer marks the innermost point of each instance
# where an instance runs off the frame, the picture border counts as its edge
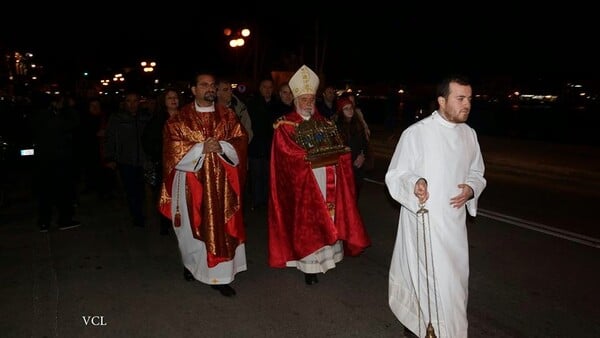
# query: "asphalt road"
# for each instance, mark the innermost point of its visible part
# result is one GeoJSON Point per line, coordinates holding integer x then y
{"type": "Point", "coordinates": [109, 279]}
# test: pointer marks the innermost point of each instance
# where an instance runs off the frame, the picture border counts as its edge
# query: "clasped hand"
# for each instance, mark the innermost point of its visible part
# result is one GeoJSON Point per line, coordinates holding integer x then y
{"type": "Point", "coordinates": [211, 145]}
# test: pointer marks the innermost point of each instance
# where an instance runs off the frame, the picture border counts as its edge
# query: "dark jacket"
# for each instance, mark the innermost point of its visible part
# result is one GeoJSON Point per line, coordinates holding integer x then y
{"type": "Point", "coordinates": [262, 114]}
{"type": "Point", "coordinates": [124, 138]}
{"type": "Point", "coordinates": [54, 131]}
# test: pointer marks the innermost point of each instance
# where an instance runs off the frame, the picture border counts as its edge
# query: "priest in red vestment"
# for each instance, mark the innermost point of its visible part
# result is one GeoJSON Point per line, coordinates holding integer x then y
{"type": "Point", "coordinates": [313, 216]}
{"type": "Point", "coordinates": [204, 156]}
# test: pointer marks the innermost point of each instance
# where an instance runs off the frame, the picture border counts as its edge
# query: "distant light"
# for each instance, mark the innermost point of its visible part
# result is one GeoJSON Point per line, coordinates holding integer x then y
{"type": "Point", "coordinates": [27, 152]}
{"type": "Point", "coordinates": [236, 42]}
{"type": "Point", "coordinates": [227, 31]}
{"type": "Point", "coordinates": [85, 74]}
{"type": "Point", "coordinates": [245, 32]}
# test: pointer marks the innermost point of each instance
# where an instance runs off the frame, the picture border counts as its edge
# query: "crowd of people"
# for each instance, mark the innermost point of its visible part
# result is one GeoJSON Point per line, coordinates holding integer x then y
{"type": "Point", "coordinates": [300, 155]}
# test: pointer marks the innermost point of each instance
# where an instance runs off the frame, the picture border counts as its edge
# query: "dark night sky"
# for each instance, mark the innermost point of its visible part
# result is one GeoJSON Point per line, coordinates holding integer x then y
{"type": "Point", "coordinates": [378, 44]}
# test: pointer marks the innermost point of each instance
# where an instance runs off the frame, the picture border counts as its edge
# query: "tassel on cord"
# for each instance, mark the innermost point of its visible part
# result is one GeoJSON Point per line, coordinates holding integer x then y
{"type": "Point", "coordinates": [177, 218]}
{"type": "Point", "coordinates": [177, 221]}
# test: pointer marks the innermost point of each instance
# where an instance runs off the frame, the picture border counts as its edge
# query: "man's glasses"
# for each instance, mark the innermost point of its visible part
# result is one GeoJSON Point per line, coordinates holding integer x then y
{"type": "Point", "coordinates": [206, 85]}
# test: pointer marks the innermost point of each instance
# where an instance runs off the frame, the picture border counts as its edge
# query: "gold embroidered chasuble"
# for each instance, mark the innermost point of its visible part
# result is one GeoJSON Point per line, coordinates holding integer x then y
{"type": "Point", "coordinates": [214, 192]}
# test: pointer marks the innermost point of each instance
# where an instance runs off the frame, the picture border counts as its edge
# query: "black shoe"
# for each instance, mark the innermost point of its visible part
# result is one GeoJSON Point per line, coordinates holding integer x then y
{"type": "Point", "coordinates": [310, 278]}
{"type": "Point", "coordinates": [224, 289]}
{"type": "Point", "coordinates": [44, 227]}
{"type": "Point", "coordinates": [69, 225]}
{"type": "Point", "coordinates": [187, 275]}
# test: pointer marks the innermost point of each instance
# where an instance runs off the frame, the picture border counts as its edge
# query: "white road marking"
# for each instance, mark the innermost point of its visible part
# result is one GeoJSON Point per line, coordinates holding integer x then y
{"type": "Point", "coordinates": [546, 229]}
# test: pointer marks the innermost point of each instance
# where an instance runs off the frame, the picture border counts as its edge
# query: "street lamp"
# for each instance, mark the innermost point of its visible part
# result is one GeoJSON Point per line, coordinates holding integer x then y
{"type": "Point", "coordinates": [237, 38]}
{"type": "Point", "coordinates": [150, 81]}
{"type": "Point", "coordinates": [236, 42]}
{"type": "Point", "coordinates": [148, 66]}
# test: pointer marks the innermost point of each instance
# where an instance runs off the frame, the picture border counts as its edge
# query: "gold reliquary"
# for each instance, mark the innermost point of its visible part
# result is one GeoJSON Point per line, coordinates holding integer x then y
{"type": "Point", "coordinates": [322, 142]}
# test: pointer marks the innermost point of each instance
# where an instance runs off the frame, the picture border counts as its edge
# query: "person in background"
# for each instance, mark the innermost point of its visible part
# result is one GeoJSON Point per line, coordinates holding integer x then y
{"type": "Point", "coordinates": [261, 107]}
{"type": "Point", "coordinates": [326, 106]}
{"type": "Point", "coordinates": [152, 141]}
{"type": "Point", "coordinates": [54, 129]}
{"type": "Point", "coordinates": [149, 105]}
{"type": "Point", "coordinates": [124, 152]}
{"type": "Point", "coordinates": [285, 104]}
{"type": "Point", "coordinates": [226, 97]}
{"type": "Point", "coordinates": [354, 135]}
{"type": "Point", "coordinates": [97, 177]}
{"type": "Point", "coordinates": [437, 165]}
{"type": "Point", "coordinates": [358, 112]}
{"type": "Point", "coordinates": [204, 161]}
{"type": "Point", "coordinates": [313, 215]}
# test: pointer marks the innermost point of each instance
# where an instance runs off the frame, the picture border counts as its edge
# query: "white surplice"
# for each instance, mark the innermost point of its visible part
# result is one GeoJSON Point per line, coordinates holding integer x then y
{"type": "Point", "coordinates": [446, 154]}
{"type": "Point", "coordinates": [193, 250]}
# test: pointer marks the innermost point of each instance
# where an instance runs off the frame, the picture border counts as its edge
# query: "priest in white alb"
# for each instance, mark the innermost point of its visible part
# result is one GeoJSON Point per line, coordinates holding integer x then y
{"type": "Point", "coordinates": [438, 166]}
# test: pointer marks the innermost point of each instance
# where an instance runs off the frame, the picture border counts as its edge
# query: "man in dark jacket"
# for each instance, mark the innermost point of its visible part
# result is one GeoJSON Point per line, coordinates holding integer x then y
{"type": "Point", "coordinates": [262, 112]}
{"type": "Point", "coordinates": [54, 128]}
{"type": "Point", "coordinates": [124, 151]}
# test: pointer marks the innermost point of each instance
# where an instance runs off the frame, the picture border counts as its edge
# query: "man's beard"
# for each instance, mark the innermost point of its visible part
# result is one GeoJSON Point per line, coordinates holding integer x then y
{"type": "Point", "coordinates": [306, 112]}
{"type": "Point", "coordinates": [210, 97]}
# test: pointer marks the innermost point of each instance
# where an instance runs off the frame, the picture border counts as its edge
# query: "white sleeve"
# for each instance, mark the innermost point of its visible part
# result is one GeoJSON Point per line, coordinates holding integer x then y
{"type": "Point", "coordinates": [230, 152]}
{"type": "Point", "coordinates": [193, 160]}
{"type": "Point", "coordinates": [401, 177]}
{"type": "Point", "coordinates": [475, 179]}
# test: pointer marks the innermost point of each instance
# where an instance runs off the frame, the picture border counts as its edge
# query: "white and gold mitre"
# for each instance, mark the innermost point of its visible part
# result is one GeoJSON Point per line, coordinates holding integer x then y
{"type": "Point", "coordinates": [304, 81]}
